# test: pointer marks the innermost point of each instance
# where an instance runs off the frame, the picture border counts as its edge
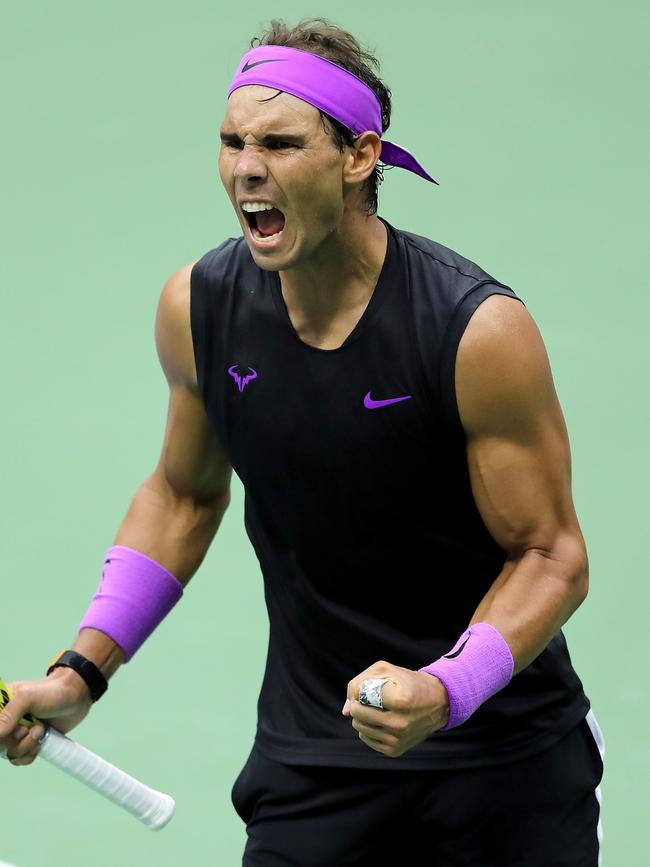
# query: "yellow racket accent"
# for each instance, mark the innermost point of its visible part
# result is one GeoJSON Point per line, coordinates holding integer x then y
{"type": "Point", "coordinates": [5, 698]}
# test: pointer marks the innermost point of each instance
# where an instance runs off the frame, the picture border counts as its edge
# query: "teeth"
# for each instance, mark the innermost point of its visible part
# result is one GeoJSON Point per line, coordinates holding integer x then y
{"type": "Point", "coordinates": [252, 207]}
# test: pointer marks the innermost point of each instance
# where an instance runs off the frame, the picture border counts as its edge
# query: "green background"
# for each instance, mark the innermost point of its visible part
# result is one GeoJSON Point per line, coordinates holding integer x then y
{"type": "Point", "coordinates": [533, 118]}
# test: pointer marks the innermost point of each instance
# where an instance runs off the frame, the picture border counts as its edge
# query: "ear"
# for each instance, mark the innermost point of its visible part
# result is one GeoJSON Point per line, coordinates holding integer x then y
{"type": "Point", "coordinates": [362, 157]}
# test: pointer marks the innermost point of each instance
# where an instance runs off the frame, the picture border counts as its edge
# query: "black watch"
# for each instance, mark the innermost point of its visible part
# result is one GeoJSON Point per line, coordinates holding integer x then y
{"type": "Point", "coordinates": [97, 683]}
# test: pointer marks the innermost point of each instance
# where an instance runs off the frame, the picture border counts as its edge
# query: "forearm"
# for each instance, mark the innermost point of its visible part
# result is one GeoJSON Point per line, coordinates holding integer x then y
{"type": "Point", "coordinates": [534, 596]}
{"type": "Point", "coordinates": [174, 531]}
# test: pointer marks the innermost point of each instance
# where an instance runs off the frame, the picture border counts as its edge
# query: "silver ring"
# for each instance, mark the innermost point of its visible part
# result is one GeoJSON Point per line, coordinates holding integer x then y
{"type": "Point", "coordinates": [370, 692]}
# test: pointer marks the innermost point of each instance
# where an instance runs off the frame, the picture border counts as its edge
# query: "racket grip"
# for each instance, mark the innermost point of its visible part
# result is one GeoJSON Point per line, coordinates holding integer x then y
{"type": "Point", "coordinates": [152, 808]}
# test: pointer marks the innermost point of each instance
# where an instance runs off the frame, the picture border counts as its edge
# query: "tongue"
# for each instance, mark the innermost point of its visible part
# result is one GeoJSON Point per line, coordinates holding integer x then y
{"type": "Point", "coordinates": [270, 222]}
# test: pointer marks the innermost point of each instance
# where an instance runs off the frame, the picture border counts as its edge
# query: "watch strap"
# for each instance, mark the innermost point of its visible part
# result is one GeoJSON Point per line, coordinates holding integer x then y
{"type": "Point", "coordinates": [87, 670]}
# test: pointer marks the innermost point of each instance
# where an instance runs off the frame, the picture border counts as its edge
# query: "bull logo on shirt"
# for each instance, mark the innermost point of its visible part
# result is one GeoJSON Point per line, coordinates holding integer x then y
{"type": "Point", "coordinates": [242, 381]}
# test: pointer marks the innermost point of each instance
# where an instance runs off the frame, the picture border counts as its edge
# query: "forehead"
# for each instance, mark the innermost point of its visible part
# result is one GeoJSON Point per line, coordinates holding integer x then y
{"type": "Point", "coordinates": [247, 110]}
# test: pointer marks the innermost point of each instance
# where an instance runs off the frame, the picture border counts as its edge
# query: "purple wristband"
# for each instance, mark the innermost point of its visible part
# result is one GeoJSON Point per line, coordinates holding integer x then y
{"type": "Point", "coordinates": [134, 595]}
{"type": "Point", "coordinates": [477, 666]}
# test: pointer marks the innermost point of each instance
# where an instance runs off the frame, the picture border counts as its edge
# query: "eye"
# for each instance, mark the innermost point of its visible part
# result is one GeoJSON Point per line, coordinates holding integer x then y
{"type": "Point", "coordinates": [282, 145]}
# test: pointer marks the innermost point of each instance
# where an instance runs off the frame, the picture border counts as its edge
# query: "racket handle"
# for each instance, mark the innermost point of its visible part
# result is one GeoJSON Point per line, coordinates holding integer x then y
{"type": "Point", "coordinates": [152, 808]}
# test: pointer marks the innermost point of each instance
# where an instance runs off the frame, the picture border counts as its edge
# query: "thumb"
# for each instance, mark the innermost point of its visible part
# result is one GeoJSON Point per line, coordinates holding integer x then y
{"type": "Point", "coordinates": [346, 708]}
{"type": "Point", "coordinates": [11, 714]}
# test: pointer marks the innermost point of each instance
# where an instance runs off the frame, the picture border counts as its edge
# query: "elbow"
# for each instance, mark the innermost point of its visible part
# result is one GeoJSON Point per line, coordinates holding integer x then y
{"type": "Point", "coordinates": [582, 580]}
{"type": "Point", "coordinates": [219, 502]}
{"type": "Point", "coordinates": [571, 567]}
{"type": "Point", "coordinates": [579, 575]}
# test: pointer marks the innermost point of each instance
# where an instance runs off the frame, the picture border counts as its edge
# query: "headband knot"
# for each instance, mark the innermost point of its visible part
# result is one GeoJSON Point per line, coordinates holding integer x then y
{"type": "Point", "coordinates": [327, 86]}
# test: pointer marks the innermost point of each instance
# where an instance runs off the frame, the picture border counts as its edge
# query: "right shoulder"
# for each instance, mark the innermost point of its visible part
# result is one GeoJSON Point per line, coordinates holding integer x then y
{"type": "Point", "coordinates": [174, 315]}
{"type": "Point", "coordinates": [173, 329]}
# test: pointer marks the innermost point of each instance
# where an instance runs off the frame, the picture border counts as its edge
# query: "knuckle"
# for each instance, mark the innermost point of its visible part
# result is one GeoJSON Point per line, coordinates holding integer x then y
{"type": "Point", "coordinates": [394, 750]}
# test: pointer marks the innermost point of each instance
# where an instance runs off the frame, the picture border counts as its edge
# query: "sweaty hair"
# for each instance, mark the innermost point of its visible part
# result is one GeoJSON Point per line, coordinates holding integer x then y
{"type": "Point", "coordinates": [327, 40]}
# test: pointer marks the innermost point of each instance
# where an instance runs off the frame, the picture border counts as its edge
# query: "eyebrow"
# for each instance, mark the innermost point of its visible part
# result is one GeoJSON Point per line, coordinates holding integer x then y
{"type": "Point", "coordinates": [269, 138]}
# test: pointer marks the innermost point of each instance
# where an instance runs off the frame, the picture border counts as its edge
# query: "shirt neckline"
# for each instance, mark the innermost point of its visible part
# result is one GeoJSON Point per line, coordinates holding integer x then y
{"type": "Point", "coordinates": [386, 278]}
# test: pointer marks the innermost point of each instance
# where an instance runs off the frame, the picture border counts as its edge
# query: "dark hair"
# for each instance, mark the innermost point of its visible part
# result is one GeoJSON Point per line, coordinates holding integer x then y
{"type": "Point", "coordinates": [327, 40]}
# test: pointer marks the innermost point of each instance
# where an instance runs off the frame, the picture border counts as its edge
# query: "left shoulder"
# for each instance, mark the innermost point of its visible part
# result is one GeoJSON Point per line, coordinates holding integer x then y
{"type": "Point", "coordinates": [503, 373]}
{"type": "Point", "coordinates": [439, 256]}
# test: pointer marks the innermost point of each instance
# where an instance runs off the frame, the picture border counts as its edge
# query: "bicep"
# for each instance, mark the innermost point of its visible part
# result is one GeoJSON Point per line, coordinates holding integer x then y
{"type": "Point", "coordinates": [518, 449]}
{"type": "Point", "coordinates": [192, 462]}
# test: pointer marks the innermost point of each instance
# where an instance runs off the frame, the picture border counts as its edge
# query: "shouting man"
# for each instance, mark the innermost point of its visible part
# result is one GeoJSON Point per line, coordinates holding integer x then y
{"type": "Point", "coordinates": [390, 410]}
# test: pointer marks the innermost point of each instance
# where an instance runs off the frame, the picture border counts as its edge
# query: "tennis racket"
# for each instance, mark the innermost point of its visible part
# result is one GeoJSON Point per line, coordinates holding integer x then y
{"type": "Point", "coordinates": [154, 809]}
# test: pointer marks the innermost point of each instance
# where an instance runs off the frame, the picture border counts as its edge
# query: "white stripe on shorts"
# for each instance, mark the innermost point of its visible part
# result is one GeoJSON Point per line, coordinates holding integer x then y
{"type": "Point", "coordinates": [600, 743]}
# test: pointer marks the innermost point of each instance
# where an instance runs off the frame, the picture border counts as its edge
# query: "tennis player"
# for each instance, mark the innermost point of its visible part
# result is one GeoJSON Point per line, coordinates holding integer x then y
{"type": "Point", "coordinates": [390, 409]}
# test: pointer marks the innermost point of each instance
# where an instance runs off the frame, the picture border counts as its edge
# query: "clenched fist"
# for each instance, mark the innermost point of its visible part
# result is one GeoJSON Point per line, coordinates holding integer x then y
{"type": "Point", "coordinates": [415, 706]}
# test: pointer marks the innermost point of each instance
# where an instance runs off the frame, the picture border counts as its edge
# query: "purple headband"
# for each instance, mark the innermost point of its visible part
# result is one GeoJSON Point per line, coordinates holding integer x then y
{"type": "Point", "coordinates": [327, 86]}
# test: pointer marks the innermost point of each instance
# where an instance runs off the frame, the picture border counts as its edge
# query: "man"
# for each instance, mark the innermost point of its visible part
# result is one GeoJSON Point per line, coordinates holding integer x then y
{"type": "Point", "coordinates": [390, 410]}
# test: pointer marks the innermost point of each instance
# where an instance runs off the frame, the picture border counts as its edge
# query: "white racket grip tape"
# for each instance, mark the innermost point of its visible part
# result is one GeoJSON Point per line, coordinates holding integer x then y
{"type": "Point", "coordinates": [151, 807]}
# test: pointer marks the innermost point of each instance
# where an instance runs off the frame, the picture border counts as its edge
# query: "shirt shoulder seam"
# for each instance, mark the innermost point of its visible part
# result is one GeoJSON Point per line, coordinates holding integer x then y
{"type": "Point", "coordinates": [441, 261]}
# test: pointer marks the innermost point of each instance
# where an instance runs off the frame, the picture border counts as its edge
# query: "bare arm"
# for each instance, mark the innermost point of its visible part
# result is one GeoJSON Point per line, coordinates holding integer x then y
{"type": "Point", "coordinates": [520, 468]}
{"type": "Point", "coordinates": [172, 518]}
{"type": "Point", "coordinates": [176, 511]}
{"type": "Point", "coordinates": [520, 471]}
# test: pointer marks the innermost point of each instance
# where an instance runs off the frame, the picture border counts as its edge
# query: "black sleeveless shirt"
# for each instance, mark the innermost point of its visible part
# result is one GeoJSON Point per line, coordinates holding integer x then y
{"type": "Point", "coordinates": [358, 502]}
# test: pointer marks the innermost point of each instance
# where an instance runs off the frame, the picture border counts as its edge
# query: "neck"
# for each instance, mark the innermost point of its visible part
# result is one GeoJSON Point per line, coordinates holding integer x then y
{"type": "Point", "coordinates": [341, 276]}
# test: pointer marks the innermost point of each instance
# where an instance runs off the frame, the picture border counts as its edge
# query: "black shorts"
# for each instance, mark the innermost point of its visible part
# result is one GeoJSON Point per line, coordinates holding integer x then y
{"type": "Point", "coordinates": [541, 811]}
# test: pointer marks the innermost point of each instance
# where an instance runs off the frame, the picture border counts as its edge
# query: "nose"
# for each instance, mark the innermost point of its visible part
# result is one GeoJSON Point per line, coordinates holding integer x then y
{"type": "Point", "coordinates": [250, 165]}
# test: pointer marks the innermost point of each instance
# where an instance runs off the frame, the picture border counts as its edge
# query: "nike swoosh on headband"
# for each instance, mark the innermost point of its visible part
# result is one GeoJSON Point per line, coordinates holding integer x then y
{"type": "Point", "coordinates": [260, 62]}
{"type": "Point", "coordinates": [327, 86]}
{"type": "Point", "coordinates": [369, 403]}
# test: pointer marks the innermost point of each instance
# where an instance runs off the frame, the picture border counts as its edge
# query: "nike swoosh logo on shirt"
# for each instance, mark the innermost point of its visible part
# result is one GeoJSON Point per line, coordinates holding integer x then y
{"type": "Point", "coordinates": [248, 66]}
{"type": "Point", "coordinates": [369, 403]}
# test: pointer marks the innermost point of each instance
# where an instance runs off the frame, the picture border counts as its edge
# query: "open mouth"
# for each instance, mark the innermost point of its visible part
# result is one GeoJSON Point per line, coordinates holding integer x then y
{"type": "Point", "coordinates": [265, 225]}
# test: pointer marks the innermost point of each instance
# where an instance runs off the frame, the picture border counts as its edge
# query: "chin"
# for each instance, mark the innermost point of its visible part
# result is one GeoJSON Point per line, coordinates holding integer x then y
{"type": "Point", "coordinates": [281, 258]}
{"type": "Point", "coordinates": [271, 261]}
